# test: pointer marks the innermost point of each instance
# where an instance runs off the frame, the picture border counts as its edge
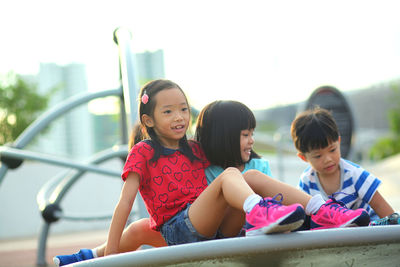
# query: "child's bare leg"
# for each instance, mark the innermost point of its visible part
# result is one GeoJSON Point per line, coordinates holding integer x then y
{"type": "Point", "coordinates": [229, 229]}
{"type": "Point", "coordinates": [138, 233]}
{"type": "Point", "coordinates": [267, 186]}
{"type": "Point", "coordinates": [208, 211]}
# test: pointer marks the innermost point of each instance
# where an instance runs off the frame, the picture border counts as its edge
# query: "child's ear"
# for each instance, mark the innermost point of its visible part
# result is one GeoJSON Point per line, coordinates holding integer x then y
{"type": "Point", "coordinates": [301, 155]}
{"type": "Point", "coordinates": [339, 139]}
{"type": "Point", "coordinates": [147, 120]}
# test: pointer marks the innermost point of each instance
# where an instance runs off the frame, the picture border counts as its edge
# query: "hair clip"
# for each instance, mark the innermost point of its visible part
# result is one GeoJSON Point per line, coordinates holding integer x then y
{"type": "Point", "coordinates": [145, 98]}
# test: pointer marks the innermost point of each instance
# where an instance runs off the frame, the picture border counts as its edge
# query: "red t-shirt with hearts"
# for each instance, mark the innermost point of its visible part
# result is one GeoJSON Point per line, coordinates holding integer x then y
{"type": "Point", "coordinates": [168, 184]}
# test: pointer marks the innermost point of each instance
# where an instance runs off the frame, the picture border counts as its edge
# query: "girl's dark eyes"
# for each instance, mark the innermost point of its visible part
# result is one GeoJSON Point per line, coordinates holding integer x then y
{"type": "Point", "coordinates": [248, 134]}
{"type": "Point", "coordinates": [168, 111]}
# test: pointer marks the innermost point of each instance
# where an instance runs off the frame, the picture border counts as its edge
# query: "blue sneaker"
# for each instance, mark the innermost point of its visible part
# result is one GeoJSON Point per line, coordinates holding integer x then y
{"type": "Point", "coordinates": [83, 254]}
{"type": "Point", "coordinates": [388, 220]}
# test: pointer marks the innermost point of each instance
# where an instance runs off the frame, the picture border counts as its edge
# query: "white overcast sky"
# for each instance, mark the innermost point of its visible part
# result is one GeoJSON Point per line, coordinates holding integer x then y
{"type": "Point", "coordinates": [263, 53]}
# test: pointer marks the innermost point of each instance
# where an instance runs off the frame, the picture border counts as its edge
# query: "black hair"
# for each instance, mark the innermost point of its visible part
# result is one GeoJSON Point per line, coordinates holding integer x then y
{"type": "Point", "coordinates": [218, 130]}
{"type": "Point", "coordinates": [136, 135]}
{"type": "Point", "coordinates": [314, 129]}
{"type": "Point", "coordinates": [152, 89]}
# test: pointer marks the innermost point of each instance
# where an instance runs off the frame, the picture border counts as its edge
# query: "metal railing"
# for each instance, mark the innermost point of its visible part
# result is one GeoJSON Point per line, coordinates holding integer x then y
{"type": "Point", "coordinates": [51, 194]}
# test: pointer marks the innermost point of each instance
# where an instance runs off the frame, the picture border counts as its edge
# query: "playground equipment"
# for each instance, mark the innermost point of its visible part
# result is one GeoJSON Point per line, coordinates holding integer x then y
{"type": "Point", "coordinates": [334, 247]}
{"type": "Point", "coordinates": [52, 193]}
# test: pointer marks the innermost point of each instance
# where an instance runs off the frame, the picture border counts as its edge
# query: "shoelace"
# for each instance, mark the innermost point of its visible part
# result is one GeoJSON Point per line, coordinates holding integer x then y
{"type": "Point", "coordinates": [336, 204]}
{"type": "Point", "coordinates": [267, 202]}
{"type": "Point", "coordinates": [338, 201]}
{"type": "Point", "coordinates": [273, 200]}
{"type": "Point", "coordinates": [343, 193]}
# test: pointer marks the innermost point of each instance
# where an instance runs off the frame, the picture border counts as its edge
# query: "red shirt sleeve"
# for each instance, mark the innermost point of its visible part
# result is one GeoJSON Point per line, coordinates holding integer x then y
{"type": "Point", "coordinates": [198, 152]}
{"type": "Point", "coordinates": [137, 160]}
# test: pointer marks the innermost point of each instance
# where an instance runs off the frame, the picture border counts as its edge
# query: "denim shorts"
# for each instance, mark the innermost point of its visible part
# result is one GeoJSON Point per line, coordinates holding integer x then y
{"type": "Point", "coordinates": [180, 230]}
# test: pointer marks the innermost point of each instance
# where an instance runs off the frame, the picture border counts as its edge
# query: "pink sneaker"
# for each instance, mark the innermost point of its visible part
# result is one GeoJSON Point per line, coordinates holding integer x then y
{"type": "Point", "coordinates": [270, 216]}
{"type": "Point", "coordinates": [334, 214]}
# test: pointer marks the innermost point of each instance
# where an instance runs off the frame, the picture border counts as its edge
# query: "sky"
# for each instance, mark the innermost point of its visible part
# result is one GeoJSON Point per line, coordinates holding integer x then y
{"type": "Point", "coordinates": [263, 53]}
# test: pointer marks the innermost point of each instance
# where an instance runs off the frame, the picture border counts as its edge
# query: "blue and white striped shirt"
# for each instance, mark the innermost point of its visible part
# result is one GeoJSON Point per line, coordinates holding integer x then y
{"type": "Point", "coordinates": [357, 186]}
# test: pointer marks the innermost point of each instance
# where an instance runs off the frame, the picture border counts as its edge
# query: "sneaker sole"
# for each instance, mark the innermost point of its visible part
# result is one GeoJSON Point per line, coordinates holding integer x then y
{"type": "Point", "coordinates": [56, 261]}
{"type": "Point", "coordinates": [277, 227]}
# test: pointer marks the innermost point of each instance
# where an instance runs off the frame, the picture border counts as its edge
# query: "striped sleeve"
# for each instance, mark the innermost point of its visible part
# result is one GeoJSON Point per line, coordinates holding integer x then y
{"type": "Point", "coordinates": [366, 185]}
{"type": "Point", "coordinates": [304, 187]}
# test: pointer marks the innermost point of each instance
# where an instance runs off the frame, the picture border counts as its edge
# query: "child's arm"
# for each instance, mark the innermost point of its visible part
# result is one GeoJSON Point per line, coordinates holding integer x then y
{"type": "Point", "coordinates": [121, 213]}
{"type": "Point", "coordinates": [380, 205]}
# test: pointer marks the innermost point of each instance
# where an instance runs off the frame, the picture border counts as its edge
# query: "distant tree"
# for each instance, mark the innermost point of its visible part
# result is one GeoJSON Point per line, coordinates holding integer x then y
{"type": "Point", "coordinates": [20, 104]}
{"type": "Point", "coordinates": [390, 145]}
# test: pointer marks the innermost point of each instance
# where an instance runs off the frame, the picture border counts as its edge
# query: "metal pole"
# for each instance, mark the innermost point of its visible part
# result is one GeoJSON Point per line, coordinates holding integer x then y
{"type": "Point", "coordinates": [42, 242]}
{"type": "Point", "coordinates": [123, 38]}
{"type": "Point", "coordinates": [46, 118]}
{"type": "Point", "coordinates": [22, 154]}
{"type": "Point", "coordinates": [279, 154]}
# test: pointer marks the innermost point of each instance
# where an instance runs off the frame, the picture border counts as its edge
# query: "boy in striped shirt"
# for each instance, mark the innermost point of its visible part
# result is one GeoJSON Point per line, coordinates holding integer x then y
{"type": "Point", "coordinates": [317, 140]}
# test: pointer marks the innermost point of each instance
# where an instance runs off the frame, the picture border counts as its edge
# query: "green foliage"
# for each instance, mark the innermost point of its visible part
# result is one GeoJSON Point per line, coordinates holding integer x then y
{"type": "Point", "coordinates": [390, 145]}
{"type": "Point", "coordinates": [20, 104]}
{"type": "Point", "coordinates": [384, 147]}
{"type": "Point", "coordinates": [266, 126]}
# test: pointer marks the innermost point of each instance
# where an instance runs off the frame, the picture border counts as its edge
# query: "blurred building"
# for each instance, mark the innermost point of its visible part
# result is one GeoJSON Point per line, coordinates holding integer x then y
{"type": "Point", "coordinates": [150, 65]}
{"type": "Point", "coordinates": [79, 133]}
{"type": "Point", "coordinates": [70, 135]}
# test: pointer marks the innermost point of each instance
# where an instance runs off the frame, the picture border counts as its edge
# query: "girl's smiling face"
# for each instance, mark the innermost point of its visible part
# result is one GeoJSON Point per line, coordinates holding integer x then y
{"type": "Point", "coordinates": [246, 144]}
{"type": "Point", "coordinates": [170, 118]}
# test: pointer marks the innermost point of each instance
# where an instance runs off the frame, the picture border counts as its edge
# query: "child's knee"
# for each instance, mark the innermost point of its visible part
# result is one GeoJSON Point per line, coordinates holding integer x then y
{"type": "Point", "coordinates": [230, 173]}
{"type": "Point", "coordinates": [137, 228]}
{"type": "Point", "coordinates": [256, 178]}
{"type": "Point", "coordinates": [252, 172]}
{"type": "Point", "coordinates": [232, 170]}
{"type": "Point", "coordinates": [252, 175]}
{"type": "Point", "coordinates": [255, 173]}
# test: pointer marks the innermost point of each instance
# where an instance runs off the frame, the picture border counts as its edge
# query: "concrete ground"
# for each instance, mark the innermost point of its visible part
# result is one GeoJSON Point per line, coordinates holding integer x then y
{"type": "Point", "coordinates": [389, 172]}
{"type": "Point", "coordinates": [22, 252]}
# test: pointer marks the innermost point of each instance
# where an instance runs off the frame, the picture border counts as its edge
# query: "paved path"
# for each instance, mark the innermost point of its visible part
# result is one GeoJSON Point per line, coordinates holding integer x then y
{"type": "Point", "coordinates": [22, 253]}
{"type": "Point", "coordinates": [389, 172]}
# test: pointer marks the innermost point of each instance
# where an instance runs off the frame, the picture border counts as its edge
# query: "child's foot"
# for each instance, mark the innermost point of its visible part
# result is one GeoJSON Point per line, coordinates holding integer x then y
{"type": "Point", "coordinates": [388, 220]}
{"type": "Point", "coordinates": [81, 255]}
{"type": "Point", "coordinates": [334, 214]}
{"type": "Point", "coordinates": [270, 216]}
